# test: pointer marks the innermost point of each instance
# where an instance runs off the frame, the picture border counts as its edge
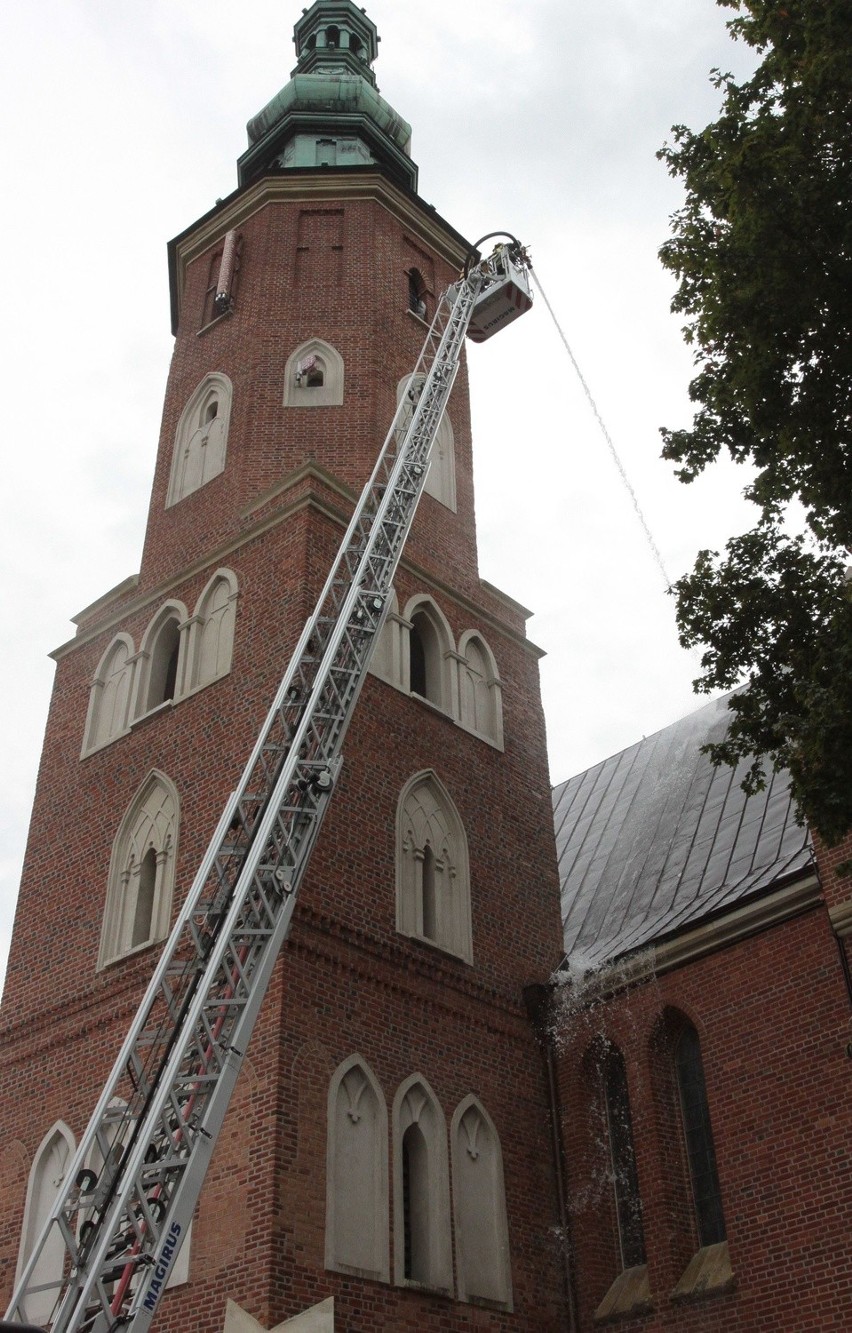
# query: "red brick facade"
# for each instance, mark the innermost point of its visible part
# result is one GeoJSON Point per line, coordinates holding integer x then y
{"type": "Point", "coordinates": [773, 1018]}
{"type": "Point", "coordinates": [349, 982]}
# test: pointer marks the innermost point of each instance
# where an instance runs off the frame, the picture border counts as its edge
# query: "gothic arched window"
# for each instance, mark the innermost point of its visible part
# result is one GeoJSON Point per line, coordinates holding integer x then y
{"type": "Point", "coordinates": [47, 1174]}
{"type": "Point", "coordinates": [698, 1138]}
{"type": "Point", "coordinates": [479, 1202]}
{"type": "Point", "coordinates": [141, 874]}
{"type": "Point", "coordinates": [356, 1232]}
{"type": "Point", "coordinates": [313, 376]}
{"type": "Point", "coordinates": [441, 477]}
{"type": "Point", "coordinates": [160, 674]}
{"type": "Point", "coordinates": [416, 293]}
{"type": "Point", "coordinates": [625, 1181]}
{"type": "Point", "coordinates": [201, 438]}
{"type": "Point", "coordinates": [433, 884]}
{"type": "Point", "coordinates": [422, 1252]}
{"type": "Point", "coordinates": [110, 694]}
{"type": "Point", "coordinates": [430, 647]}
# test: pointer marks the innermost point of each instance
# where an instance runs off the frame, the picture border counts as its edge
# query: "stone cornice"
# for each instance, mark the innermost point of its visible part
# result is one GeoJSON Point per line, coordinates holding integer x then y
{"type": "Point", "coordinates": [452, 986]}
{"type": "Point", "coordinates": [310, 186]}
{"type": "Point", "coordinates": [840, 916]}
{"type": "Point", "coordinates": [307, 472]}
{"type": "Point", "coordinates": [769, 910]}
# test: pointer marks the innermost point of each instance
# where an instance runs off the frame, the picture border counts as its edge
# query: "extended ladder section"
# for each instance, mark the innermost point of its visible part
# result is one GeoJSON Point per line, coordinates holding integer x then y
{"type": "Point", "coordinates": [129, 1195]}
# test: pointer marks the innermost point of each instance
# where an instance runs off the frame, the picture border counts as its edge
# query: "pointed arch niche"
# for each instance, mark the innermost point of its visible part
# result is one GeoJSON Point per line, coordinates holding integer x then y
{"type": "Point", "coordinates": [480, 690]}
{"type": "Point", "coordinates": [416, 653]}
{"type": "Point", "coordinates": [110, 694]}
{"type": "Point", "coordinates": [47, 1173]}
{"type": "Point", "coordinates": [313, 376]}
{"type": "Point", "coordinates": [201, 438]}
{"type": "Point", "coordinates": [432, 874]}
{"type": "Point", "coordinates": [356, 1220]}
{"type": "Point", "coordinates": [441, 477]}
{"type": "Point", "coordinates": [210, 643]}
{"type": "Point", "coordinates": [141, 873]}
{"type": "Point", "coordinates": [421, 1189]}
{"type": "Point", "coordinates": [483, 1267]}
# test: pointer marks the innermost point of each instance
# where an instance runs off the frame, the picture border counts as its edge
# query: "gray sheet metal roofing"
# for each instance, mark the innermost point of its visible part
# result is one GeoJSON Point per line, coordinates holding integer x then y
{"type": "Point", "coordinates": [655, 839]}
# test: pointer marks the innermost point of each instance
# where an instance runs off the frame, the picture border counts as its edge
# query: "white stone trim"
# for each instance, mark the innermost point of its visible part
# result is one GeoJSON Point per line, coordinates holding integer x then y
{"type": "Point", "coordinates": [330, 392]}
{"type": "Point", "coordinates": [356, 1215]}
{"type": "Point", "coordinates": [41, 1193]}
{"type": "Point", "coordinates": [201, 441]}
{"type": "Point", "coordinates": [427, 817]}
{"type": "Point", "coordinates": [150, 823]}
{"type": "Point", "coordinates": [416, 1103]}
{"type": "Point", "coordinates": [483, 1264]}
{"type": "Point", "coordinates": [441, 478]}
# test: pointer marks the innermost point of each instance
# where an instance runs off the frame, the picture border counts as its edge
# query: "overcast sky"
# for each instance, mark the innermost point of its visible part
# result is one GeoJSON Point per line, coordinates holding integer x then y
{"type": "Point", "coordinates": [121, 123]}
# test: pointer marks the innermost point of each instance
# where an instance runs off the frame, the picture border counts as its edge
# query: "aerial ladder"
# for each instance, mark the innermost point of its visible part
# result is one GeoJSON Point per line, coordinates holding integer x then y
{"type": "Point", "coordinates": [129, 1195]}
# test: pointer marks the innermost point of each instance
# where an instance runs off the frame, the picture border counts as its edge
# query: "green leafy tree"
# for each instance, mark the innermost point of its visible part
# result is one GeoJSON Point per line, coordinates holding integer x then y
{"type": "Point", "coordinates": [762, 250]}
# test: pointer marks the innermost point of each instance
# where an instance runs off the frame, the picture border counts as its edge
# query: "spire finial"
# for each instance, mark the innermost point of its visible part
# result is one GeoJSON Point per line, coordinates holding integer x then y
{"type": "Point", "coordinates": [336, 34]}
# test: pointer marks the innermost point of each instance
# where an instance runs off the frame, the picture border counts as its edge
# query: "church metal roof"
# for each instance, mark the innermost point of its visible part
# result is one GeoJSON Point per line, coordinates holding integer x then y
{"type": "Point", "coordinates": [655, 839]}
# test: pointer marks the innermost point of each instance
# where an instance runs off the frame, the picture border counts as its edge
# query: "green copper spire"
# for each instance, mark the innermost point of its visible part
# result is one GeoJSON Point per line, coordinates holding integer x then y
{"type": "Point", "coordinates": [335, 35]}
{"type": "Point", "coordinates": [330, 114]}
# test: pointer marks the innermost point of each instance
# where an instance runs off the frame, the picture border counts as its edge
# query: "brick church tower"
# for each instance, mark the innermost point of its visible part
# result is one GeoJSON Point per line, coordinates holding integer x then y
{"type": "Point", "coordinates": [387, 1153]}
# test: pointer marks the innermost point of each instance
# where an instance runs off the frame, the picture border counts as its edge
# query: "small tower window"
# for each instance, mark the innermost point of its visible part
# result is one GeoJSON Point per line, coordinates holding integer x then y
{"type": "Point", "coordinates": [415, 1204]}
{"type": "Point", "coordinates": [417, 668]}
{"type": "Point", "coordinates": [416, 293]}
{"type": "Point", "coordinates": [313, 376]}
{"type": "Point", "coordinates": [422, 1238]}
{"type": "Point", "coordinates": [430, 913]}
{"type": "Point", "coordinates": [326, 154]}
{"type": "Point", "coordinates": [145, 899]}
{"type": "Point", "coordinates": [356, 46]}
{"type": "Point", "coordinates": [332, 37]}
{"type": "Point", "coordinates": [164, 665]}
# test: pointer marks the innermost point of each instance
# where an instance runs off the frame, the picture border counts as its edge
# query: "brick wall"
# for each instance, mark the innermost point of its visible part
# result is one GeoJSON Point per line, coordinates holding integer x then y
{"type": "Point", "coordinates": [772, 1015]}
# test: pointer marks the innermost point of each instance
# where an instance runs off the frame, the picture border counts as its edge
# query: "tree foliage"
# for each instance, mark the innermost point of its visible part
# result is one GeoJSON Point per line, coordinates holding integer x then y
{"type": "Point", "coordinates": [762, 250]}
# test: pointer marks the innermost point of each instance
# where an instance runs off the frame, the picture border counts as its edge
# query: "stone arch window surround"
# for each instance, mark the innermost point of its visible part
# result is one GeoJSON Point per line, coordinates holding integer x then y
{"type": "Point", "coordinates": [480, 689]}
{"type": "Point", "coordinates": [441, 477]}
{"type": "Point", "coordinates": [433, 875]}
{"type": "Point", "coordinates": [162, 659]}
{"type": "Point", "coordinates": [314, 375]}
{"type": "Point", "coordinates": [357, 1225]}
{"type": "Point", "coordinates": [201, 437]}
{"type": "Point", "coordinates": [483, 1266]}
{"type": "Point", "coordinates": [422, 1244]}
{"type": "Point", "coordinates": [110, 695]}
{"type": "Point", "coordinates": [429, 665]}
{"type": "Point", "coordinates": [210, 632]}
{"type": "Point", "coordinates": [142, 869]}
{"type": "Point", "coordinates": [50, 1163]}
